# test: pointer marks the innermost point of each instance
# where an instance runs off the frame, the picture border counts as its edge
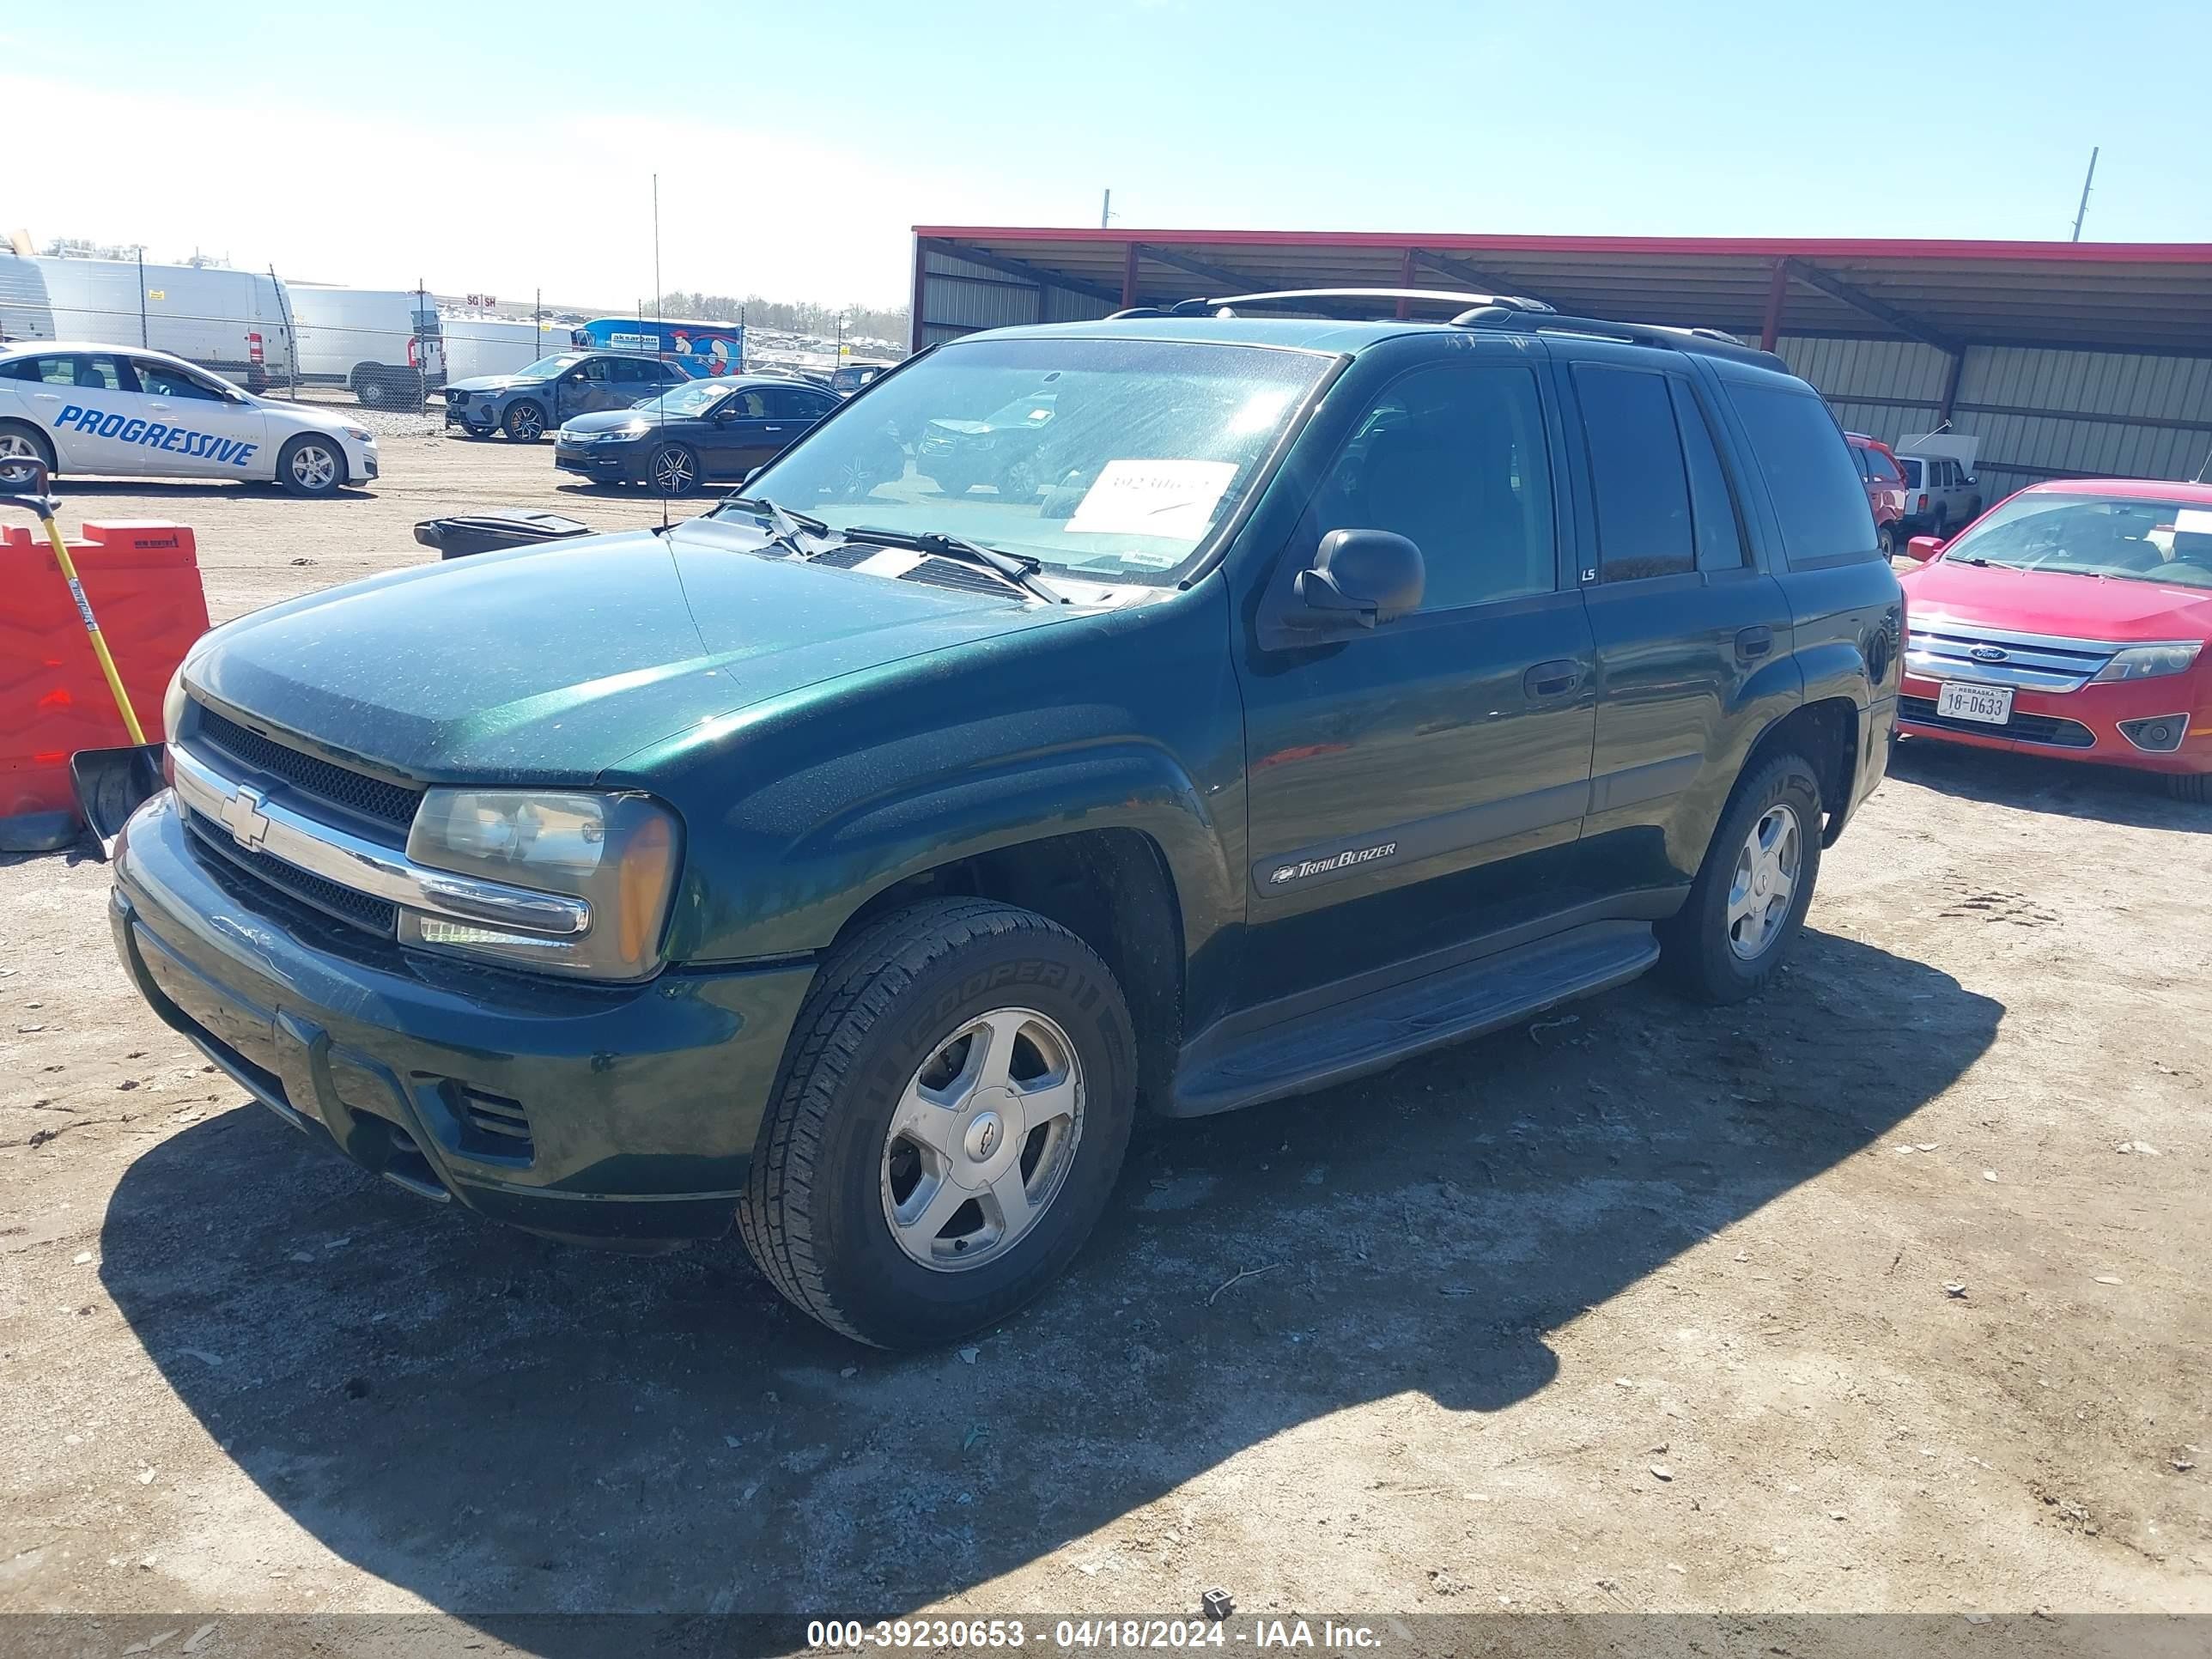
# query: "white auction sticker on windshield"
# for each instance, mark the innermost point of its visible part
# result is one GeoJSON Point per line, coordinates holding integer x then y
{"type": "Point", "coordinates": [1153, 498]}
{"type": "Point", "coordinates": [2193, 522]}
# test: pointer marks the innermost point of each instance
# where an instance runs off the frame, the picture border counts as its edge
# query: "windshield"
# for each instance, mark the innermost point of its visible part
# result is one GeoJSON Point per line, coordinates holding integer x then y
{"type": "Point", "coordinates": [1113, 459]}
{"type": "Point", "coordinates": [2126, 539]}
{"type": "Point", "coordinates": [546, 367]}
{"type": "Point", "coordinates": [696, 398]}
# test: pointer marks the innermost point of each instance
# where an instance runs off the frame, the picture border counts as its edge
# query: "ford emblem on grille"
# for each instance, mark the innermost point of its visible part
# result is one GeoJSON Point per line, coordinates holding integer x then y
{"type": "Point", "coordinates": [1988, 653]}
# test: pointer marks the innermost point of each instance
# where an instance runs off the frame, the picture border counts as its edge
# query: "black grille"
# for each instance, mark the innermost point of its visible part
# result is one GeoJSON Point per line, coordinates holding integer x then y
{"type": "Point", "coordinates": [2021, 728]}
{"type": "Point", "coordinates": [273, 874]}
{"type": "Point", "coordinates": [368, 797]}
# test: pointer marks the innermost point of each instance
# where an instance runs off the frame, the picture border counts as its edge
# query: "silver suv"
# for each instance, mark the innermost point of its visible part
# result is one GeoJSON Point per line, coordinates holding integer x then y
{"type": "Point", "coordinates": [1940, 495]}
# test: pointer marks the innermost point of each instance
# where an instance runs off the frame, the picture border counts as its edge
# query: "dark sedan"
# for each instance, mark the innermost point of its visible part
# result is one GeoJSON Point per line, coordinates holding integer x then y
{"type": "Point", "coordinates": [698, 434]}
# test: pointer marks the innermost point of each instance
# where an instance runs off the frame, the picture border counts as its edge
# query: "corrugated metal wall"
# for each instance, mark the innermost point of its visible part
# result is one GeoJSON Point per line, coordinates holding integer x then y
{"type": "Point", "coordinates": [958, 298]}
{"type": "Point", "coordinates": [2040, 413]}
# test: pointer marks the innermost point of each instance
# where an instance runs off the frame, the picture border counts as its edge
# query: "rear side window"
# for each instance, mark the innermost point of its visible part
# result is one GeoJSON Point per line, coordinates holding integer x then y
{"type": "Point", "coordinates": [627, 370]}
{"type": "Point", "coordinates": [1637, 473]}
{"type": "Point", "coordinates": [1818, 497]}
{"type": "Point", "coordinates": [1719, 532]}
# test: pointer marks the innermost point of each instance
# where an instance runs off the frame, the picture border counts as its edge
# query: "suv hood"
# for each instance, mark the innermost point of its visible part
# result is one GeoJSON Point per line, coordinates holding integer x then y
{"type": "Point", "coordinates": [552, 663]}
{"type": "Point", "coordinates": [490, 383]}
{"type": "Point", "coordinates": [2048, 602]}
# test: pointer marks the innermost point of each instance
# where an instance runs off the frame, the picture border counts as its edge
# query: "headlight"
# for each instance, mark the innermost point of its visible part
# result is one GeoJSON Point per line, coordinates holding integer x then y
{"type": "Point", "coordinates": [172, 704]}
{"type": "Point", "coordinates": [2150, 662]}
{"type": "Point", "coordinates": [617, 852]}
{"type": "Point", "coordinates": [360, 434]}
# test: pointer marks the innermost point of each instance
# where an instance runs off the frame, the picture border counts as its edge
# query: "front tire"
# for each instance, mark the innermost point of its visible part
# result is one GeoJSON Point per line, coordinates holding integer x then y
{"type": "Point", "coordinates": [525, 422]}
{"type": "Point", "coordinates": [1749, 900]}
{"type": "Point", "coordinates": [951, 1118]}
{"type": "Point", "coordinates": [311, 465]}
{"type": "Point", "coordinates": [1884, 539]}
{"type": "Point", "coordinates": [2195, 786]}
{"type": "Point", "coordinates": [673, 471]}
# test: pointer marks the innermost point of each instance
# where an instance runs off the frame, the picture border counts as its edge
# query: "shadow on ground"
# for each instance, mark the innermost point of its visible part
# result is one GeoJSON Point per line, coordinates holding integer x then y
{"type": "Point", "coordinates": [2108, 794]}
{"type": "Point", "coordinates": [505, 1426]}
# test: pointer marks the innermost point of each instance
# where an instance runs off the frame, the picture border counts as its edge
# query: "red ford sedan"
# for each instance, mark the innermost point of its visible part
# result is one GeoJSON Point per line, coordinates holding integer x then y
{"type": "Point", "coordinates": [2071, 620]}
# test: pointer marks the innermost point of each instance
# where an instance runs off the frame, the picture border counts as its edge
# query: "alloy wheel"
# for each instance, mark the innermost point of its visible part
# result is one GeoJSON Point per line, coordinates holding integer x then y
{"type": "Point", "coordinates": [982, 1139]}
{"type": "Point", "coordinates": [1765, 881]}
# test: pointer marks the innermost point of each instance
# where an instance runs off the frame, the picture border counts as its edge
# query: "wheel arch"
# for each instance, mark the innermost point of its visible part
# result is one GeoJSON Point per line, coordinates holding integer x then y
{"type": "Point", "coordinates": [41, 440]}
{"type": "Point", "coordinates": [1112, 889]}
{"type": "Point", "coordinates": [1826, 732]}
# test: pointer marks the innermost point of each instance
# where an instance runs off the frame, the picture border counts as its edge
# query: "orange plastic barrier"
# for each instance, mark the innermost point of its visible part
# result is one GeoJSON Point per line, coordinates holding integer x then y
{"type": "Point", "coordinates": [143, 582]}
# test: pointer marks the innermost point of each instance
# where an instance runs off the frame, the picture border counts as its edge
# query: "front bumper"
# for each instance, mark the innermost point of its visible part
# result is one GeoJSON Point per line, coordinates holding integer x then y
{"type": "Point", "coordinates": [2079, 725]}
{"type": "Point", "coordinates": [637, 1106]}
{"type": "Point", "coordinates": [604, 462]}
{"type": "Point", "coordinates": [476, 414]}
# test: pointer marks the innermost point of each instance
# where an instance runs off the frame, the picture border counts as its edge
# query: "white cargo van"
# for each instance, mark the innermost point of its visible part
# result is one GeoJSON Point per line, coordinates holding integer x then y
{"type": "Point", "coordinates": [382, 344]}
{"type": "Point", "coordinates": [232, 322]}
{"type": "Point", "coordinates": [477, 346]}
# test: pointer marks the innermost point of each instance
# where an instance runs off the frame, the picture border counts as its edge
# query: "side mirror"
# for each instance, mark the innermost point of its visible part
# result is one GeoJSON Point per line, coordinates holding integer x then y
{"type": "Point", "coordinates": [1924, 548]}
{"type": "Point", "coordinates": [1362, 577]}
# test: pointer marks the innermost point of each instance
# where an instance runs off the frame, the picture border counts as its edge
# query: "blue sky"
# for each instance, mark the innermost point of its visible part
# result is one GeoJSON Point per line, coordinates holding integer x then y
{"type": "Point", "coordinates": [483, 147]}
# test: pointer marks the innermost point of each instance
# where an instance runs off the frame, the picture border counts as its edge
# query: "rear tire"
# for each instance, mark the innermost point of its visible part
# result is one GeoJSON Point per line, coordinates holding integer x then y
{"type": "Point", "coordinates": [1884, 539]}
{"type": "Point", "coordinates": [525, 422]}
{"type": "Point", "coordinates": [2195, 786]}
{"type": "Point", "coordinates": [1731, 934]}
{"type": "Point", "coordinates": [823, 1212]}
{"type": "Point", "coordinates": [20, 440]}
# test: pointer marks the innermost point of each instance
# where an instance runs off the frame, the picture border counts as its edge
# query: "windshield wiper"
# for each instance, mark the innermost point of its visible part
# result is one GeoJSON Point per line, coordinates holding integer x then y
{"type": "Point", "coordinates": [1017, 569]}
{"type": "Point", "coordinates": [788, 524]}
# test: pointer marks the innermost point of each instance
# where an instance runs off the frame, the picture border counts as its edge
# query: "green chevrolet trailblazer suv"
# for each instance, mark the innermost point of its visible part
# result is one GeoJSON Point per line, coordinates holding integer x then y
{"type": "Point", "coordinates": [855, 861]}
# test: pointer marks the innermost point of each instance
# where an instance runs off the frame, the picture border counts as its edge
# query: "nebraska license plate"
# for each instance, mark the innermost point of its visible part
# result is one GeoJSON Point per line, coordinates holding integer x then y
{"type": "Point", "coordinates": [1990, 704]}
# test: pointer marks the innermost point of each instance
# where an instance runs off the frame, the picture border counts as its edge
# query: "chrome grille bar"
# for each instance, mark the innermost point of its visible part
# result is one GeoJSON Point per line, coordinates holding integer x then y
{"type": "Point", "coordinates": [1938, 648]}
{"type": "Point", "coordinates": [268, 826]}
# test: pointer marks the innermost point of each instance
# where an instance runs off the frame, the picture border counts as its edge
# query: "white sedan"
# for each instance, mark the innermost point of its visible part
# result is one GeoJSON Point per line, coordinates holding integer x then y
{"type": "Point", "coordinates": [126, 410]}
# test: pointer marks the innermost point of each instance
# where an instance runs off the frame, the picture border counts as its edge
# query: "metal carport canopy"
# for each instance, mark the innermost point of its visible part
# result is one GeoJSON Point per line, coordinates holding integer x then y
{"type": "Point", "coordinates": [2128, 296]}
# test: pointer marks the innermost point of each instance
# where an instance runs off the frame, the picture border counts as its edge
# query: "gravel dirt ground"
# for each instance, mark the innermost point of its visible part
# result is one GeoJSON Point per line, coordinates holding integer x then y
{"type": "Point", "coordinates": [1885, 1291]}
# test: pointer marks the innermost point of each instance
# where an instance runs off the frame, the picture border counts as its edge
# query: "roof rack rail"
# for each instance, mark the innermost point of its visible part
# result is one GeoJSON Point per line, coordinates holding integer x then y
{"type": "Point", "coordinates": [1707, 342]}
{"type": "Point", "coordinates": [1226, 305]}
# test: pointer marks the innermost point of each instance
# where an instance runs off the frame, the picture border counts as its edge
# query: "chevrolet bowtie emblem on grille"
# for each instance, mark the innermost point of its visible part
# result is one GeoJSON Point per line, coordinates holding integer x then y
{"type": "Point", "coordinates": [1988, 653]}
{"type": "Point", "coordinates": [242, 816]}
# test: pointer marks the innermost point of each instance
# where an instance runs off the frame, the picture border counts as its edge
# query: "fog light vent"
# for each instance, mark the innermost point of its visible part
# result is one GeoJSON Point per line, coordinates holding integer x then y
{"type": "Point", "coordinates": [2157, 734]}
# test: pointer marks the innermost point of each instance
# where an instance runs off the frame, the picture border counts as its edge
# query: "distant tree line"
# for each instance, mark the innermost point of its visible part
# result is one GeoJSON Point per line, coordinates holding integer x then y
{"type": "Point", "coordinates": [799, 317]}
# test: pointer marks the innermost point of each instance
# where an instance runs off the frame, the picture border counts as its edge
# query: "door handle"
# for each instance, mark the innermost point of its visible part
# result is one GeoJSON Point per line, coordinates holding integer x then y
{"type": "Point", "coordinates": [1753, 643]}
{"type": "Point", "coordinates": [1553, 679]}
{"type": "Point", "coordinates": [47, 396]}
{"type": "Point", "coordinates": [152, 403]}
{"type": "Point", "coordinates": [771, 429]}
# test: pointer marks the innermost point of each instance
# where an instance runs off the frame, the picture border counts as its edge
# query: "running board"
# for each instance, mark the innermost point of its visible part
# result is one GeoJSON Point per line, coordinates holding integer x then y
{"type": "Point", "coordinates": [1314, 1051]}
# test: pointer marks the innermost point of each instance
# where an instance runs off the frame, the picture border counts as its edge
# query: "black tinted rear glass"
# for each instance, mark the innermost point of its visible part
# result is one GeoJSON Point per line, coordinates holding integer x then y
{"type": "Point", "coordinates": [1816, 490]}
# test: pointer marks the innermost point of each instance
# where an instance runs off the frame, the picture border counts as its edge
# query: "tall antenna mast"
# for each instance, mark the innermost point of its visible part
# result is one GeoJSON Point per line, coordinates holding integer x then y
{"type": "Point", "coordinates": [1106, 210]}
{"type": "Point", "coordinates": [2081, 210]}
